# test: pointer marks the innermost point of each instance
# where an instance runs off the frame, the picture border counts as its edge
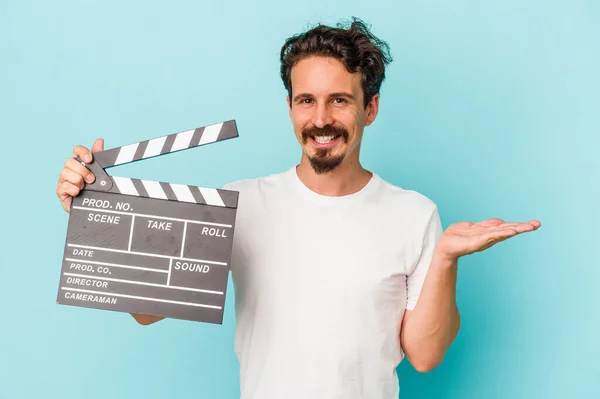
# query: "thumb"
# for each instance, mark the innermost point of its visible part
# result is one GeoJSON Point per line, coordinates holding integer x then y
{"type": "Point", "coordinates": [491, 222]}
{"type": "Point", "coordinates": [98, 145]}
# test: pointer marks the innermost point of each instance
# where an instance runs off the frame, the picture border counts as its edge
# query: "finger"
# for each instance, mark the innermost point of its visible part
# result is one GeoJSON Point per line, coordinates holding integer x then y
{"type": "Point", "coordinates": [67, 175]}
{"type": "Point", "coordinates": [98, 145]}
{"type": "Point", "coordinates": [525, 227]}
{"type": "Point", "coordinates": [536, 223]}
{"type": "Point", "coordinates": [519, 227]}
{"type": "Point", "coordinates": [66, 203]}
{"type": "Point", "coordinates": [511, 225]}
{"type": "Point", "coordinates": [532, 225]}
{"type": "Point", "coordinates": [67, 189]}
{"type": "Point", "coordinates": [509, 230]}
{"type": "Point", "coordinates": [83, 153]}
{"type": "Point", "coordinates": [78, 168]}
{"type": "Point", "coordinates": [506, 232]}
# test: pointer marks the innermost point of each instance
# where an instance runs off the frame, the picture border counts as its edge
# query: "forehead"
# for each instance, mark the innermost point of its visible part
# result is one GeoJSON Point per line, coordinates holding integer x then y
{"type": "Point", "coordinates": [322, 75]}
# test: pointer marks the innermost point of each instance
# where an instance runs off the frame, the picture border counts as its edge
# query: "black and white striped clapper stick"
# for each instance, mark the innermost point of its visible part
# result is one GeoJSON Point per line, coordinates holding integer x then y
{"type": "Point", "coordinates": [148, 247]}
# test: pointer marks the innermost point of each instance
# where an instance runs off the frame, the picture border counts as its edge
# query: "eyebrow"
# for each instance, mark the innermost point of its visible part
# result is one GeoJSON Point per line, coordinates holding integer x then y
{"type": "Point", "coordinates": [332, 95]}
{"type": "Point", "coordinates": [343, 94]}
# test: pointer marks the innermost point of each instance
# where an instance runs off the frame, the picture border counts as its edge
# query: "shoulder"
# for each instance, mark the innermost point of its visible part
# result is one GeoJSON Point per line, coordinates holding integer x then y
{"type": "Point", "coordinates": [414, 212]}
{"type": "Point", "coordinates": [400, 197]}
{"type": "Point", "coordinates": [259, 195]}
{"type": "Point", "coordinates": [272, 181]}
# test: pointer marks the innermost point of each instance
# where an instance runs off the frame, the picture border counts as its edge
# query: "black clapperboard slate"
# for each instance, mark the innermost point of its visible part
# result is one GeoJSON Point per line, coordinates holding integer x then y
{"type": "Point", "coordinates": [150, 247]}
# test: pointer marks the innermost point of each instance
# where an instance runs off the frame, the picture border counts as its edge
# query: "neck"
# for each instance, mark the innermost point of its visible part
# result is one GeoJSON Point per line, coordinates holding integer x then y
{"type": "Point", "coordinates": [349, 177]}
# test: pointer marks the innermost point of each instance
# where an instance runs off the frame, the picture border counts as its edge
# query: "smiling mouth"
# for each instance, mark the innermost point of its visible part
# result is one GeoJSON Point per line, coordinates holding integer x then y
{"type": "Point", "coordinates": [325, 137]}
{"type": "Point", "coordinates": [325, 141]}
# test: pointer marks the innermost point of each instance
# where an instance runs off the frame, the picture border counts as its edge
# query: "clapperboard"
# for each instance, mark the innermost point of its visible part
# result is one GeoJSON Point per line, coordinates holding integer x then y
{"type": "Point", "coordinates": [150, 247]}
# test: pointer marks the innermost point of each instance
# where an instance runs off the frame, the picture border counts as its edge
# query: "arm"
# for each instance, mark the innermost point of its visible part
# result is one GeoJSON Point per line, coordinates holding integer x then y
{"type": "Point", "coordinates": [430, 328]}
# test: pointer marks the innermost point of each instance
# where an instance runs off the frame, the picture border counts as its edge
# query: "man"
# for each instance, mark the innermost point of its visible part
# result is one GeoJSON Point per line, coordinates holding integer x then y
{"type": "Point", "coordinates": [338, 274]}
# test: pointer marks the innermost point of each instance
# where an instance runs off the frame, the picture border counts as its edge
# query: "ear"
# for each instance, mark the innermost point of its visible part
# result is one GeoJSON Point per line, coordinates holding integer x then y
{"type": "Point", "coordinates": [289, 106]}
{"type": "Point", "coordinates": [372, 110]}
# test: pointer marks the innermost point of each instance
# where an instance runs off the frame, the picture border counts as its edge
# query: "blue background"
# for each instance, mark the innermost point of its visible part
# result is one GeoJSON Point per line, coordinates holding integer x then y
{"type": "Point", "coordinates": [490, 108]}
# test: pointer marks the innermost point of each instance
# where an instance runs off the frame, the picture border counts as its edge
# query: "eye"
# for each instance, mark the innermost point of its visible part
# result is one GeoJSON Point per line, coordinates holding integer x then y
{"type": "Point", "coordinates": [339, 100]}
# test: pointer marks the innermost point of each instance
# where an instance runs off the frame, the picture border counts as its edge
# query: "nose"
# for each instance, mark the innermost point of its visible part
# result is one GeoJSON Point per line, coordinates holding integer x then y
{"type": "Point", "coordinates": [322, 116]}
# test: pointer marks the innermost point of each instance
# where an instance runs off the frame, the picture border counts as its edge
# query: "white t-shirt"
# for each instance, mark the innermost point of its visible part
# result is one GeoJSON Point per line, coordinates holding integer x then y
{"type": "Point", "coordinates": [321, 285]}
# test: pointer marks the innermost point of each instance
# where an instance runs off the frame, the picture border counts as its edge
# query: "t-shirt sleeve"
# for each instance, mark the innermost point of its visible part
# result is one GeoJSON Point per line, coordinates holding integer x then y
{"type": "Point", "coordinates": [414, 282]}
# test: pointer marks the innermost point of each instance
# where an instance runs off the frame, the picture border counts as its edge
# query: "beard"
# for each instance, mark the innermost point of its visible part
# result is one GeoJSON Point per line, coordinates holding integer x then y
{"type": "Point", "coordinates": [322, 161]}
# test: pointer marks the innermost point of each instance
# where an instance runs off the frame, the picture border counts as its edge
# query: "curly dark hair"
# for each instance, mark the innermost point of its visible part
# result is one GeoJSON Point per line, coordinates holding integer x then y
{"type": "Point", "coordinates": [355, 46]}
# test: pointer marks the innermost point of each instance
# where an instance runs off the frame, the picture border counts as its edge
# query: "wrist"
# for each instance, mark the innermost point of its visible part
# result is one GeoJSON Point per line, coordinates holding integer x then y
{"type": "Point", "coordinates": [444, 259]}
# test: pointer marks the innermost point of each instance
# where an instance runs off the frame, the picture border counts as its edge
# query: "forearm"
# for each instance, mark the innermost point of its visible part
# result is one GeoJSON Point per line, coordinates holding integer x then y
{"type": "Point", "coordinates": [434, 322]}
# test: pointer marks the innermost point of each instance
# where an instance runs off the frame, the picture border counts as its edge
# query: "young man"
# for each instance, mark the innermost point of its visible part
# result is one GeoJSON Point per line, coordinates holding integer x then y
{"type": "Point", "coordinates": [338, 274]}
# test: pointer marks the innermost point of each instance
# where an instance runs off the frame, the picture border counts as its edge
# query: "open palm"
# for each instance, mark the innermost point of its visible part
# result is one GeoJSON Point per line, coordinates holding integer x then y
{"type": "Point", "coordinates": [465, 238]}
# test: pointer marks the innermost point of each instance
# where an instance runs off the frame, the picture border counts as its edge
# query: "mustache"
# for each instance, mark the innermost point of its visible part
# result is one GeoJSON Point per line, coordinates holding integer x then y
{"type": "Point", "coordinates": [327, 130]}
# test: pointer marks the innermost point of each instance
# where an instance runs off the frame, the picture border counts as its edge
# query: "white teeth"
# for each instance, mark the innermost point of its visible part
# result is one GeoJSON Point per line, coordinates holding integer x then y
{"type": "Point", "coordinates": [323, 139]}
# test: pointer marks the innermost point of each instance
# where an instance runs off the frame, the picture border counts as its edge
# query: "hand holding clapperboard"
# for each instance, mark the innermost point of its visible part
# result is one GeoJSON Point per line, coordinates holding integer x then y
{"type": "Point", "coordinates": [150, 247]}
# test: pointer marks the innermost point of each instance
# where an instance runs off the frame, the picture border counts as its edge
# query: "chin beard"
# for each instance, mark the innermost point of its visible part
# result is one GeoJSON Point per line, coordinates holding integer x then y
{"type": "Point", "coordinates": [321, 163]}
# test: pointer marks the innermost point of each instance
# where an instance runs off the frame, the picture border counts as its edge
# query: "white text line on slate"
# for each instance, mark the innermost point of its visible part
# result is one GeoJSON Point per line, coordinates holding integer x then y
{"type": "Point", "coordinates": [122, 251]}
{"type": "Point", "coordinates": [118, 280]}
{"type": "Point", "coordinates": [143, 298]}
{"type": "Point", "coordinates": [147, 269]}
{"type": "Point", "coordinates": [151, 216]}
